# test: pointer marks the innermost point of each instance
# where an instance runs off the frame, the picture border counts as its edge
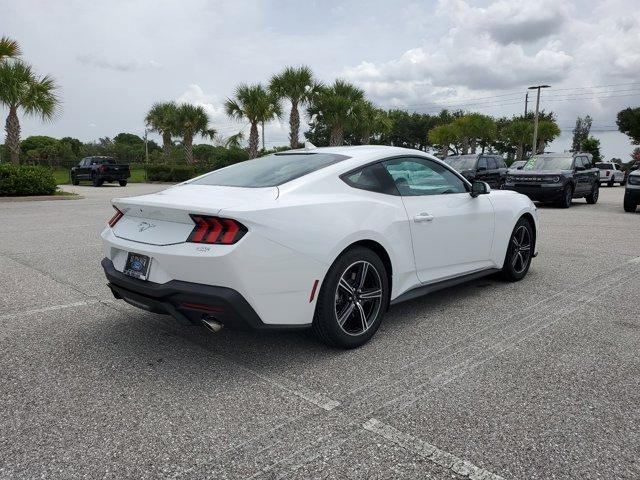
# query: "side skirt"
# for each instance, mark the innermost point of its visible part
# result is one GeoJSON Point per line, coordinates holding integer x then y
{"type": "Point", "coordinates": [442, 284]}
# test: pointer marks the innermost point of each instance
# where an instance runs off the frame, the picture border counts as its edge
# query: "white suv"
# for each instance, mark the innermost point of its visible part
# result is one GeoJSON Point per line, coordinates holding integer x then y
{"type": "Point", "coordinates": [632, 192]}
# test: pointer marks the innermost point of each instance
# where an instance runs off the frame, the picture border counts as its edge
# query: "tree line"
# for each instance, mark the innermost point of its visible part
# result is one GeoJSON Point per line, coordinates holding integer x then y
{"type": "Point", "coordinates": [339, 114]}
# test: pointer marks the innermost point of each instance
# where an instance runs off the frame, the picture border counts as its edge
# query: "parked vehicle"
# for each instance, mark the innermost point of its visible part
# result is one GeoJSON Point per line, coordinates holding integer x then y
{"type": "Point", "coordinates": [99, 170]}
{"type": "Point", "coordinates": [557, 177]}
{"type": "Point", "coordinates": [610, 173]}
{"type": "Point", "coordinates": [632, 192]}
{"type": "Point", "coordinates": [517, 165]}
{"type": "Point", "coordinates": [325, 238]}
{"type": "Point", "coordinates": [488, 168]}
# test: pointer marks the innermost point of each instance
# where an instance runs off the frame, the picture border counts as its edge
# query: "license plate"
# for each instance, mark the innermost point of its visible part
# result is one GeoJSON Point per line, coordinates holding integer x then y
{"type": "Point", "coordinates": [137, 266]}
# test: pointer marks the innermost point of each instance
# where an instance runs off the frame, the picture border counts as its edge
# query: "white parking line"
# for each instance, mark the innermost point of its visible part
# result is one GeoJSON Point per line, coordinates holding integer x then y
{"type": "Point", "coordinates": [50, 308]}
{"type": "Point", "coordinates": [296, 389]}
{"type": "Point", "coordinates": [430, 452]}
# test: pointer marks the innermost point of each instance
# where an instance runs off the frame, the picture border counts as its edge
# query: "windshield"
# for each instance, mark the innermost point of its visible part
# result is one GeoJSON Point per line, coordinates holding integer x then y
{"type": "Point", "coordinates": [462, 162]}
{"type": "Point", "coordinates": [518, 164]}
{"type": "Point", "coordinates": [269, 171]}
{"type": "Point", "coordinates": [538, 163]}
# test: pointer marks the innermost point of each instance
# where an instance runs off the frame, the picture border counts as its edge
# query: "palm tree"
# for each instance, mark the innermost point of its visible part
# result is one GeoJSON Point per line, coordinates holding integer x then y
{"type": "Point", "coordinates": [8, 48]}
{"type": "Point", "coordinates": [20, 88]}
{"type": "Point", "coordinates": [336, 106]}
{"type": "Point", "coordinates": [161, 119]}
{"type": "Point", "coordinates": [518, 133]}
{"type": "Point", "coordinates": [191, 120]}
{"type": "Point", "coordinates": [255, 104]}
{"type": "Point", "coordinates": [296, 85]}
{"type": "Point", "coordinates": [548, 130]}
{"type": "Point", "coordinates": [234, 141]}
{"type": "Point", "coordinates": [371, 121]}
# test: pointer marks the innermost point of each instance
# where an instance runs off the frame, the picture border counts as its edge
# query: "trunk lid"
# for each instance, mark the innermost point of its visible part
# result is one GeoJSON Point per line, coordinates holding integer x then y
{"type": "Point", "coordinates": [163, 218]}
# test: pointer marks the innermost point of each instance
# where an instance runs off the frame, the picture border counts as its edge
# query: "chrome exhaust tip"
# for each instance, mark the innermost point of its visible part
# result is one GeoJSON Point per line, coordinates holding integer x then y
{"type": "Point", "coordinates": [212, 325]}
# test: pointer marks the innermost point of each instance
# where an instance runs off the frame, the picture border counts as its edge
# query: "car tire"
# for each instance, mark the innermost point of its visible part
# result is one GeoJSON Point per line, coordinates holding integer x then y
{"type": "Point", "coordinates": [74, 180]}
{"type": "Point", "coordinates": [567, 197]}
{"type": "Point", "coordinates": [592, 198]}
{"type": "Point", "coordinates": [97, 181]}
{"type": "Point", "coordinates": [517, 260]}
{"type": "Point", "coordinates": [123, 183]}
{"type": "Point", "coordinates": [344, 317]}
{"type": "Point", "coordinates": [611, 182]}
{"type": "Point", "coordinates": [629, 206]}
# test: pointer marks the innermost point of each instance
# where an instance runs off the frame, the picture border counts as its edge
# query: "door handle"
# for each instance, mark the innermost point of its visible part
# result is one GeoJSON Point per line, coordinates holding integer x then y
{"type": "Point", "coordinates": [423, 217]}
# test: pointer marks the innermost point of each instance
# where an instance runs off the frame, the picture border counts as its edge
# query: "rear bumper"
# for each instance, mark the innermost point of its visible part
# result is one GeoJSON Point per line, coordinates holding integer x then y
{"type": "Point", "coordinates": [538, 193]}
{"type": "Point", "coordinates": [185, 301]}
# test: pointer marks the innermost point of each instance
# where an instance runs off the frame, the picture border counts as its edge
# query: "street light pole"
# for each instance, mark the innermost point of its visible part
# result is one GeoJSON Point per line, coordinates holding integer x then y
{"type": "Point", "coordinates": [534, 150]}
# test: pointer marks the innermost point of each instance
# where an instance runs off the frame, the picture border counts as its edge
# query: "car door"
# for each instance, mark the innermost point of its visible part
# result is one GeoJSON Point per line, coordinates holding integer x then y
{"type": "Point", "coordinates": [481, 169]}
{"type": "Point", "coordinates": [82, 169]}
{"type": "Point", "coordinates": [581, 175]}
{"type": "Point", "coordinates": [451, 231]}
{"type": "Point", "coordinates": [493, 174]}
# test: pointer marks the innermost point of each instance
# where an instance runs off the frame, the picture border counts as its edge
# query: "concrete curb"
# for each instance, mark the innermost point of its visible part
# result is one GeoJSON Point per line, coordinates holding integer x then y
{"type": "Point", "coordinates": [40, 198]}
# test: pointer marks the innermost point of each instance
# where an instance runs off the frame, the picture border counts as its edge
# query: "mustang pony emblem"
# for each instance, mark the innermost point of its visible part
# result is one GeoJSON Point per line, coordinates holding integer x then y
{"type": "Point", "coordinates": [142, 226]}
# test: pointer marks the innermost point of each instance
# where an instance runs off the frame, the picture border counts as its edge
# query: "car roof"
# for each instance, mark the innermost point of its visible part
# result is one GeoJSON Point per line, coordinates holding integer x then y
{"type": "Point", "coordinates": [358, 156]}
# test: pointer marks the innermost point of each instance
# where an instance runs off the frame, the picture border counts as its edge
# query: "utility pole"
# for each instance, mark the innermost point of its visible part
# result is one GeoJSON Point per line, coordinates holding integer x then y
{"type": "Point", "coordinates": [526, 104]}
{"type": "Point", "coordinates": [534, 150]}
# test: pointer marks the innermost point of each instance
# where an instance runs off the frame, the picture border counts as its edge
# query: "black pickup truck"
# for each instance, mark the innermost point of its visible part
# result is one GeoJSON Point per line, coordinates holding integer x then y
{"type": "Point", "coordinates": [98, 170]}
{"type": "Point", "coordinates": [557, 178]}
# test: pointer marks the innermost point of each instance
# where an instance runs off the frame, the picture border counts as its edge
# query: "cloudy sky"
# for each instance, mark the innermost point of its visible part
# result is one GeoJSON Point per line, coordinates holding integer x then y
{"type": "Point", "coordinates": [113, 58]}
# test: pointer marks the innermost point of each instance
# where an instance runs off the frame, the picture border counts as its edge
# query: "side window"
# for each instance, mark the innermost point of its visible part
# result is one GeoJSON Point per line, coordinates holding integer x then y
{"type": "Point", "coordinates": [421, 176]}
{"type": "Point", "coordinates": [579, 162]}
{"type": "Point", "coordinates": [365, 179]}
{"type": "Point", "coordinates": [500, 162]}
{"type": "Point", "coordinates": [482, 163]}
{"type": "Point", "coordinates": [492, 164]}
{"type": "Point", "coordinates": [369, 178]}
{"type": "Point", "coordinates": [586, 163]}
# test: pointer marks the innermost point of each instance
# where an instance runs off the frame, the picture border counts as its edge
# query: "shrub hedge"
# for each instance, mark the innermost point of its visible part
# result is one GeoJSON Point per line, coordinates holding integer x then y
{"type": "Point", "coordinates": [170, 173]}
{"type": "Point", "coordinates": [24, 180]}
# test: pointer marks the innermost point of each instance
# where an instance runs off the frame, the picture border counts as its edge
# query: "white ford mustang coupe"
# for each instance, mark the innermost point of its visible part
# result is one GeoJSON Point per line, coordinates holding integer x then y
{"type": "Point", "coordinates": [326, 238]}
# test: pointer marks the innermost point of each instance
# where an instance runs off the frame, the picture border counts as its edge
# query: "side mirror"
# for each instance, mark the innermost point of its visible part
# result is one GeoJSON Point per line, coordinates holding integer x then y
{"type": "Point", "coordinates": [479, 188]}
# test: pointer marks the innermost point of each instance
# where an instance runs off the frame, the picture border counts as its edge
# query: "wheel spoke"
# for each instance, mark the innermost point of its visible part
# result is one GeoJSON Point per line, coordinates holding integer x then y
{"type": "Point", "coordinates": [525, 248]}
{"type": "Point", "coordinates": [515, 241]}
{"type": "Point", "coordinates": [371, 294]}
{"type": "Point", "coordinates": [345, 286]}
{"type": "Point", "coordinates": [345, 314]}
{"type": "Point", "coordinates": [363, 317]}
{"type": "Point", "coordinates": [363, 275]}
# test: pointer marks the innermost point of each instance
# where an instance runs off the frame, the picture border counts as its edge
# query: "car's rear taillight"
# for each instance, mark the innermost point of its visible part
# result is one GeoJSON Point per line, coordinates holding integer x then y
{"type": "Point", "coordinates": [223, 231]}
{"type": "Point", "coordinates": [116, 217]}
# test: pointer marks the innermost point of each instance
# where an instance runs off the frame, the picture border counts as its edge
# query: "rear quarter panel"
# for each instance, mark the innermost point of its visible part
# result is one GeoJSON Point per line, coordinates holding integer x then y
{"type": "Point", "coordinates": [320, 221]}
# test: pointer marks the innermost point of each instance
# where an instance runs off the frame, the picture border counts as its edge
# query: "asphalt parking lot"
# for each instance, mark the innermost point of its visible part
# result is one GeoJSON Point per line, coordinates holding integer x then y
{"type": "Point", "coordinates": [537, 379]}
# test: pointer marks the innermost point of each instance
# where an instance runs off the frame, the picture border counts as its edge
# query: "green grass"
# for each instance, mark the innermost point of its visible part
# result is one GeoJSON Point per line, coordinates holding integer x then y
{"type": "Point", "coordinates": [62, 176]}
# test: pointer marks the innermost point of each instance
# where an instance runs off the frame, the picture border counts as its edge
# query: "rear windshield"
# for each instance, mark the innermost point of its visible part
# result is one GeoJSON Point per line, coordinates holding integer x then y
{"type": "Point", "coordinates": [548, 163]}
{"type": "Point", "coordinates": [604, 166]}
{"type": "Point", "coordinates": [462, 162]}
{"type": "Point", "coordinates": [269, 171]}
{"type": "Point", "coordinates": [103, 161]}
